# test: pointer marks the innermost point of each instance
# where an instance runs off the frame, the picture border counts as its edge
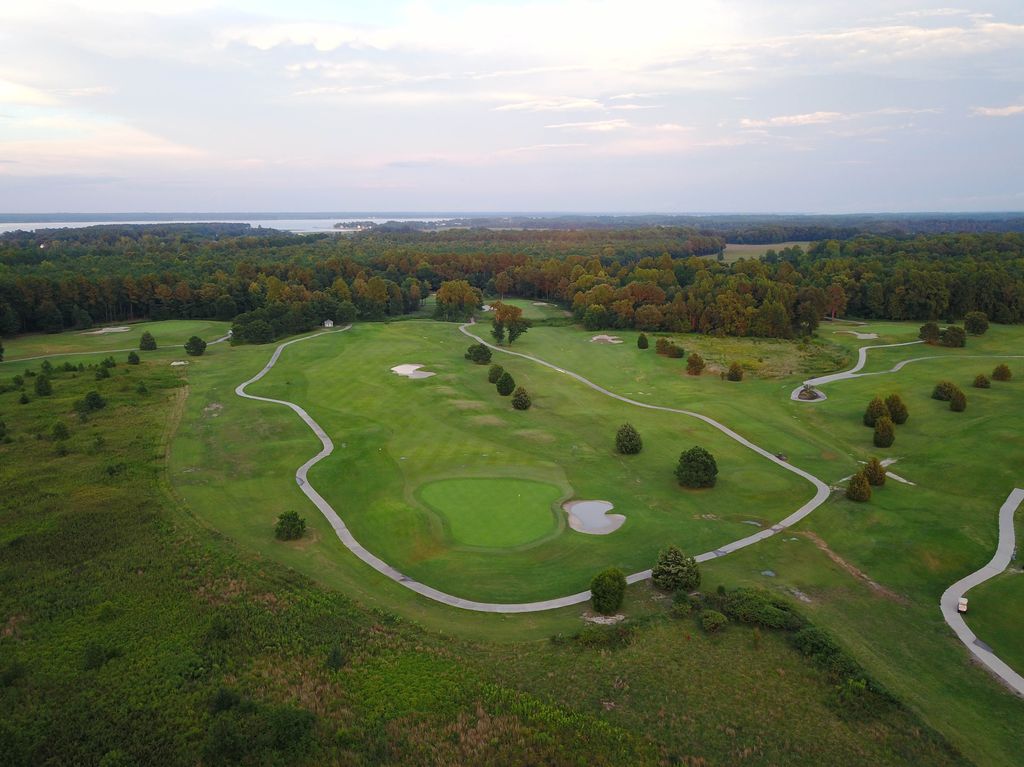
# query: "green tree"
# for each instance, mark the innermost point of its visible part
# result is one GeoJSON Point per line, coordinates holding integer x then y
{"type": "Point", "coordinates": [929, 333]}
{"type": "Point", "coordinates": [953, 336]}
{"type": "Point", "coordinates": [290, 526]}
{"type": "Point", "coordinates": [641, 343]}
{"type": "Point", "coordinates": [195, 346]}
{"type": "Point", "coordinates": [595, 317]}
{"type": "Point", "coordinates": [976, 323]}
{"type": "Point", "coordinates": [697, 468]}
{"type": "Point", "coordinates": [897, 409]}
{"type": "Point", "coordinates": [859, 488]}
{"type": "Point", "coordinates": [675, 571]}
{"type": "Point", "coordinates": [1002, 373]}
{"type": "Point", "coordinates": [944, 390]}
{"type": "Point", "coordinates": [506, 384]}
{"type": "Point", "coordinates": [133, 358]}
{"type": "Point", "coordinates": [885, 432]}
{"type": "Point", "coordinates": [43, 386]}
{"type": "Point", "coordinates": [694, 364]}
{"type": "Point", "coordinates": [981, 381]}
{"type": "Point", "coordinates": [147, 343]}
{"type": "Point", "coordinates": [628, 440]}
{"type": "Point", "coordinates": [876, 409]}
{"type": "Point", "coordinates": [958, 402]}
{"type": "Point", "coordinates": [478, 353]}
{"type": "Point", "coordinates": [102, 372]}
{"type": "Point", "coordinates": [735, 372]}
{"type": "Point", "coordinates": [521, 399]}
{"type": "Point", "coordinates": [494, 373]}
{"type": "Point", "coordinates": [607, 590]}
{"type": "Point", "coordinates": [23, 399]}
{"type": "Point", "coordinates": [875, 473]}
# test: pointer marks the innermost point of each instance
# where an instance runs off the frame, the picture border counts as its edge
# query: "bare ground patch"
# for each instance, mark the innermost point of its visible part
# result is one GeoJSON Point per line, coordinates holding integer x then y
{"type": "Point", "coordinates": [535, 435]}
{"type": "Point", "coordinates": [468, 404]}
{"type": "Point", "coordinates": [853, 569]}
{"type": "Point", "coordinates": [488, 420]}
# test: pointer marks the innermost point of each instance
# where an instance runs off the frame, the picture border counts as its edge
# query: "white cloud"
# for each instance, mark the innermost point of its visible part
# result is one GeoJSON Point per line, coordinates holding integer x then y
{"type": "Point", "coordinates": [1008, 111]}
{"type": "Point", "coordinates": [554, 104]}
{"type": "Point", "coordinates": [600, 126]}
{"type": "Point", "coordinates": [16, 93]}
{"type": "Point", "coordinates": [787, 121]}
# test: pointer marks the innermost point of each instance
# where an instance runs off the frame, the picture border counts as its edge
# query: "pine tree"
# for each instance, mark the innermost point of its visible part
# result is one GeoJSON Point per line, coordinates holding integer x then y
{"type": "Point", "coordinates": [875, 473]}
{"type": "Point", "coordinates": [876, 409]}
{"type": "Point", "coordinates": [896, 409]}
{"type": "Point", "coordinates": [521, 399]}
{"type": "Point", "coordinates": [147, 343]}
{"type": "Point", "coordinates": [859, 488]}
{"type": "Point", "coordinates": [697, 468]}
{"type": "Point", "coordinates": [641, 342]}
{"type": "Point", "coordinates": [627, 440]}
{"type": "Point", "coordinates": [506, 384]}
{"type": "Point", "coordinates": [885, 432]}
{"type": "Point", "coordinates": [674, 571]}
{"type": "Point", "coordinates": [494, 373]}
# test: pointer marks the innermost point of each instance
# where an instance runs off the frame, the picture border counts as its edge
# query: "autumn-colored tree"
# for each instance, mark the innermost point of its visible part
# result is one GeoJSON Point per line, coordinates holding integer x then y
{"type": "Point", "coordinates": [875, 473]}
{"type": "Point", "coordinates": [885, 432]}
{"type": "Point", "coordinates": [981, 381]}
{"type": "Point", "coordinates": [1002, 373]}
{"type": "Point", "coordinates": [735, 372]}
{"type": "Point", "coordinates": [455, 300]}
{"type": "Point", "coordinates": [958, 402]}
{"type": "Point", "coordinates": [875, 410]}
{"type": "Point", "coordinates": [694, 364]}
{"type": "Point", "coordinates": [859, 488]}
{"type": "Point", "coordinates": [897, 409]}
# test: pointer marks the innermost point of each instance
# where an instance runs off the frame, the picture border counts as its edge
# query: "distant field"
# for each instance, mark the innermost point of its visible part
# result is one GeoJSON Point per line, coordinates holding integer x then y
{"type": "Point", "coordinates": [734, 251]}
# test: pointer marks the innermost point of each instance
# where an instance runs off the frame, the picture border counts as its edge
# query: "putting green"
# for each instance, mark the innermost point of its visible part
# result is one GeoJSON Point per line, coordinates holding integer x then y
{"type": "Point", "coordinates": [496, 513]}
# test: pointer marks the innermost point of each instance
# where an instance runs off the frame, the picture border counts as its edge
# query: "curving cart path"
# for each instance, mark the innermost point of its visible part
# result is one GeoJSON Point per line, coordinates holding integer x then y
{"type": "Point", "coordinates": [821, 494]}
{"type": "Point", "coordinates": [1000, 561]}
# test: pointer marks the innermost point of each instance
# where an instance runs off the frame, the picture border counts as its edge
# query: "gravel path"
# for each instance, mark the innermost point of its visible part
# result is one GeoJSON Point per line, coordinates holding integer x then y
{"type": "Point", "coordinates": [1000, 561]}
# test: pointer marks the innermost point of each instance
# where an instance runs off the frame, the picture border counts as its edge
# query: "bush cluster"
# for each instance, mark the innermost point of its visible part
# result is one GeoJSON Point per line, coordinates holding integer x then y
{"type": "Point", "coordinates": [521, 399]}
{"type": "Point", "coordinates": [290, 526]}
{"type": "Point", "coordinates": [885, 432]}
{"type": "Point", "coordinates": [675, 571]}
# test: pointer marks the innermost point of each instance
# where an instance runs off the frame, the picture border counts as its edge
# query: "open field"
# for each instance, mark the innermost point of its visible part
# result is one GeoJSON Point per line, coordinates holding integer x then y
{"type": "Point", "coordinates": [736, 251]}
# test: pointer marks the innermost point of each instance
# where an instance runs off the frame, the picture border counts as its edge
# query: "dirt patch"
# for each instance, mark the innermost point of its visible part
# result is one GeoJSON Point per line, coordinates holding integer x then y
{"type": "Point", "coordinates": [603, 620]}
{"type": "Point", "coordinates": [535, 435]}
{"type": "Point", "coordinates": [10, 628]}
{"type": "Point", "coordinates": [104, 331]}
{"type": "Point", "coordinates": [809, 394]}
{"type": "Point", "coordinates": [488, 420]}
{"type": "Point", "coordinates": [860, 336]}
{"type": "Point", "coordinates": [853, 570]}
{"type": "Point", "coordinates": [468, 404]}
{"type": "Point", "coordinates": [213, 409]}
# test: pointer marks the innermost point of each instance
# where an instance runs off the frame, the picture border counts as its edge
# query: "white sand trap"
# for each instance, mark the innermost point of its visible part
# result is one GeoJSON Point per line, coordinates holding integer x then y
{"type": "Point", "coordinates": [411, 371]}
{"type": "Point", "coordinates": [603, 339]}
{"type": "Point", "coordinates": [860, 336]}
{"type": "Point", "coordinates": [179, 363]}
{"type": "Point", "coordinates": [541, 303]}
{"type": "Point", "coordinates": [104, 331]}
{"type": "Point", "coordinates": [592, 517]}
{"type": "Point", "coordinates": [487, 308]}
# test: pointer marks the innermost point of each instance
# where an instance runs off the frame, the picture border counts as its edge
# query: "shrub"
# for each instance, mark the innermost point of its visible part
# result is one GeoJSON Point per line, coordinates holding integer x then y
{"type": "Point", "coordinates": [628, 440]}
{"type": "Point", "coordinates": [142, 388]}
{"type": "Point", "coordinates": [674, 571]}
{"type": "Point", "coordinates": [876, 409]}
{"type": "Point", "coordinates": [133, 358]}
{"type": "Point", "coordinates": [875, 473]}
{"type": "Point", "coordinates": [23, 399]}
{"type": "Point", "coordinates": [958, 402]}
{"type": "Point", "coordinates": [607, 590]}
{"type": "Point", "coordinates": [694, 364]}
{"type": "Point", "coordinates": [735, 372]}
{"type": "Point", "coordinates": [981, 381]}
{"type": "Point", "coordinates": [697, 468]}
{"type": "Point", "coordinates": [479, 354]}
{"type": "Point", "coordinates": [97, 655]}
{"type": "Point", "coordinates": [506, 384]}
{"type": "Point", "coordinates": [92, 401]}
{"type": "Point", "coordinates": [713, 621]}
{"type": "Point", "coordinates": [929, 333]}
{"type": "Point", "coordinates": [641, 341]}
{"type": "Point", "coordinates": [59, 431]}
{"type": "Point", "coordinates": [521, 399]}
{"type": "Point", "coordinates": [195, 346]}
{"type": "Point", "coordinates": [859, 488]}
{"type": "Point", "coordinates": [662, 345]}
{"type": "Point", "coordinates": [108, 362]}
{"type": "Point", "coordinates": [336, 658]}
{"type": "Point", "coordinates": [290, 526]}
{"type": "Point", "coordinates": [46, 367]}
{"type": "Point", "coordinates": [897, 410]}
{"type": "Point", "coordinates": [976, 323]}
{"type": "Point", "coordinates": [102, 373]}
{"type": "Point", "coordinates": [43, 386]}
{"type": "Point", "coordinates": [224, 700]}
{"type": "Point", "coordinates": [494, 373]}
{"type": "Point", "coordinates": [885, 432]}
{"type": "Point", "coordinates": [681, 605]}
{"type": "Point", "coordinates": [147, 343]}
{"type": "Point", "coordinates": [1002, 373]}
{"type": "Point", "coordinates": [676, 352]}
{"type": "Point", "coordinates": [953, 336]}
{"type": "Point", "coordinates": [761, 608]}
{"type": "Point", "coordinates": [944, 390]}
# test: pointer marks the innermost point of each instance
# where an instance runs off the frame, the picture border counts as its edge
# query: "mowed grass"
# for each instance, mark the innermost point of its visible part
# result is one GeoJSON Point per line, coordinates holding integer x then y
{"type": "Point", "coordinates": [493, 512]}
{"type": "Point", "coordinates": [736, 251]}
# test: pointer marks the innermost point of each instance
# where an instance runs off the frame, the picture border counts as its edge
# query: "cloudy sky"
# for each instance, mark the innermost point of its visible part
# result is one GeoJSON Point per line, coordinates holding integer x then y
{"type": "Point", "coordinates": [579, 105]}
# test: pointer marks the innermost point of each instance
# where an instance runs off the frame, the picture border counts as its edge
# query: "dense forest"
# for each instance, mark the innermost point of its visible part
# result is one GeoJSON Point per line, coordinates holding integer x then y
{"type": "Point", "coordinates": [274, 283]}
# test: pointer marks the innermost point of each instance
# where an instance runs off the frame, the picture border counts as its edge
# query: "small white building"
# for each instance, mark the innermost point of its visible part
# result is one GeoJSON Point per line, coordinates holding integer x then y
{"type": "Point", "coordinates": [328, 323]}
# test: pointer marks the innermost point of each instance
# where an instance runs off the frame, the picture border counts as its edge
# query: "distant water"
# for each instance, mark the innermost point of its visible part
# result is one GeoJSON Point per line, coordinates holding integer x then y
{"type": "Point", "coordinates": [298, 225]}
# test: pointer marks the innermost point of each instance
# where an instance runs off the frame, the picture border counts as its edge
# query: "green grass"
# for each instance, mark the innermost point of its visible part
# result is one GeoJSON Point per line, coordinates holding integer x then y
{"type": "Point", "coordinates": [493, 512]}
{"type": "Point", "coordinates": [736, 251]}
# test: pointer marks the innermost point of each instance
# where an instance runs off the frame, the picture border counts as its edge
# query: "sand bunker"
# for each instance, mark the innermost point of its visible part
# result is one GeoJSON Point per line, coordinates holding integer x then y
{"type": "Point", "coordinates": [592, 517]}
{"type": "Point", "coordinates": [179, 363]}
{"type": "Point", "coordinates": [487, 308]}
{"type": "Point", "coordinates": [603, 339]}
{"type": "Point", "coordinates": [860, 336]}
{"type": "Point", "coordinates": [104, 331]}
{"type": "Point", "coordinates": [411, 371]}
{"type": "Point", "coordinates": [541, 303]}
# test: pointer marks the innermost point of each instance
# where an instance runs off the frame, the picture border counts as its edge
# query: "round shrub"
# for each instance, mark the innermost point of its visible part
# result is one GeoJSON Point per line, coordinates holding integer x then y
{"type": "Point", "coordinates": [735, 372]}
{"type": "Point", "coordinates": [607, 590]}
{"type": "Point", "coordinates": [981, 381]}
{"type": "Point", "coordinates": [195, 346]}
{"type": "Point", "coordinates": [929, 333]}
{"type": "Point", "coordinates": [479, 354]}
{"type": "Point", "coordinates": [953, 336]}
{"type": "Point", "coordinates": [628, 440]}
{"type": "Point", "coordinates": [675, 571]}
{"type": "Point", "coordinates": [713, 621]}
{"type": "Point", "coordinates": [958, 402]}
{"type": "Point", "coordinates": [897, 409]}
{"type": "Point", "coordinates": [976, 323]}
{"type": "Point", "coordinates": [695, 364]}
{"type": "Point", "coordinates": [642, 342]}
{"type": "Point", "coordinates": [133, 358]}
{"type": "Point", "coordinates": [494, 373]}
{"type": "Point", "coordinates": [290, 526]}
{"type": "Point", "coordinates": [506, 384]}
{"type": "Point", "coordinates": [944, 390]}
{"type": "Point", "coordinates": [521, 399]}
{"type": "Point", "coordinates": [697, 468]}
{"type": "Point", "coordinates": [876, 409]}
{"type": "Point", "coordinates": [885, 432]}
{"type": "Point", "coordinates": [1002, 373]}
{"type": "Point", "coordinates": [875, 473]}
{"type": "Point", "coordinates": [859, 489]}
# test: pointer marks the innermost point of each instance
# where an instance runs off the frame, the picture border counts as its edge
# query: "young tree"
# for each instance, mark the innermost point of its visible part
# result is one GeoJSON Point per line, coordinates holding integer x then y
{"type": "Point", "coordinates": [944, 390]}
{"type": "Point", "coordinates": [981, 381]}
{"type": "Point", "coordinates": [875, 473]}
{"type": "Point", "coordinates": [885, 432]}
{"type": "Point", "coordinates": [479, 354]}
{"type": "Point", "coordinates": [976, 323]}
{"type": "Point", "coordinates": [1002, 373]}
{"type": "Point", "coordinates": [958, 402]}
{"type": "Point", "coordinates": [859, 488]}
{"type": "Point", "coordinates": [494, 373]}
{"type": "Point", "coordinates": [697, 468]}
{"type": "Point", "coordinates": [876, 409]}
{"type": "Point", "coordinates": [147, 343]}
{"type": "Point", "coordinates": [897, 410]}
{"type": "Point", "coordinates": [521, 399]}
{"type": "Point", "coordinates": [641, 343]}
{"type": "Point", "coordinates": [133, 358]}
{"type": "Point", "coordinates": [607, 590]}
{"type": "Point", "coordinates": [290, 526]}
{"type": "Point", "coordinates": [498, 332]}
{"type": "Point", "coordinates": [674, 571]}
{"type": "Point", "coordinates": [735, 372]}
{"type": "Point", "coordinates": [953, 336]}
{"type": "Point", "coordinates": [506, 384]}
{"type": "Point", "coordinates": [195, 346]}
{"type": "Point", "coordinates": [694, 364]}
{"type": "Point", "coordinates": [627, 440]}
{"type": "Point", "coordinates": [929, 333]}
{"type": "Point", "coordinates": [43, 386]}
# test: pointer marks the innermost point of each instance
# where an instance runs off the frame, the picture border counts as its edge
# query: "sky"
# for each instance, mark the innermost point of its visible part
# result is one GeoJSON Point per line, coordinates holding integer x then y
{"type": "Point", "coordinates": [584, 106]}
